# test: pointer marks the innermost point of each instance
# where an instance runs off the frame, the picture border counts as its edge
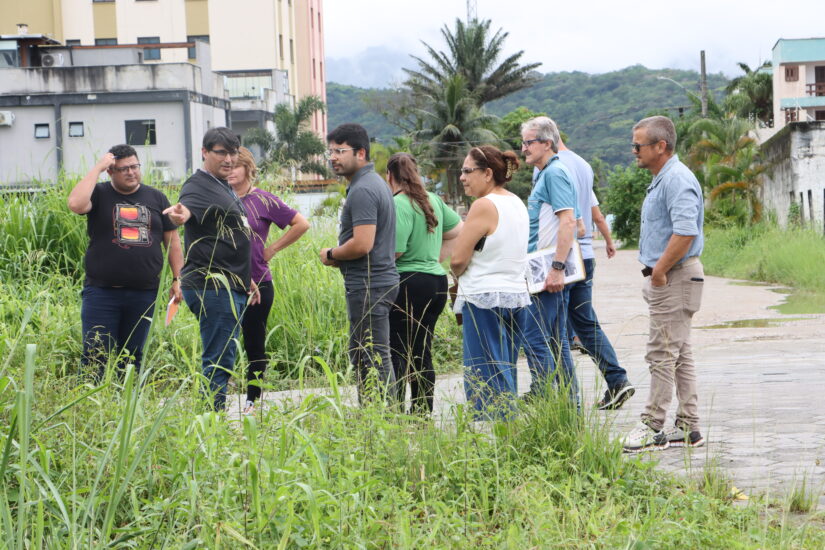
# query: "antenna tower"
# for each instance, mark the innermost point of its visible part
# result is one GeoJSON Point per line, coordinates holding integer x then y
{"type": "Point", "coordinates": [472, 13]}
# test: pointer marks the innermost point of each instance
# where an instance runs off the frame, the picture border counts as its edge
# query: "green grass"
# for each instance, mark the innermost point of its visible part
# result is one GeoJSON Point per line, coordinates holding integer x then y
{"type": "Point", "coordinates": [766, 252]}
{"type": "Point", "coordinates": [137, 463]}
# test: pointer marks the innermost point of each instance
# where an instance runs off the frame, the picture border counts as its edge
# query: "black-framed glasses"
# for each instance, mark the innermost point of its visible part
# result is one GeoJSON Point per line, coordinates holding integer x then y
{"type": "Point", "coordinates": [465, 170]}
{"type": "Point", "coordinates": [223, 153]}
{"type": "Point", "coordinates": [124, 169]}
{"type": "Point", "coordinates": [338, 151]}
{"type": "Point", "coordinates": [528, 142]}
{"type": "Point", "coordinates": [637, 146]}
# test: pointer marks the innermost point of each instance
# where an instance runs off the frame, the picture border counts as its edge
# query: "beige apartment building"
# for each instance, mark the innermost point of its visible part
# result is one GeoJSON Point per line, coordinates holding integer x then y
{"type": "Point", "coordinates": [270, 51]}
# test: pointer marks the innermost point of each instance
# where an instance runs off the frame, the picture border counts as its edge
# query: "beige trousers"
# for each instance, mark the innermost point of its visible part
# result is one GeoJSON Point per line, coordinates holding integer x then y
{"type": "Point", "coordinates": [669, 354]}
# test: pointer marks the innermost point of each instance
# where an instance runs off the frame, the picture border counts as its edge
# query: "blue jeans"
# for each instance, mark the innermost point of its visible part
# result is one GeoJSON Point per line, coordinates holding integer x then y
{"type": "Point", "coordinates": [490, 355]}
{"type": "Point", "coordinates": [544, 339]}
{"type": "Point", "coordinates": [219, 315]}
{"type": "Point", "coordinates": [115, 319]}
{"type": "Point", "coordinates": [583, 319]}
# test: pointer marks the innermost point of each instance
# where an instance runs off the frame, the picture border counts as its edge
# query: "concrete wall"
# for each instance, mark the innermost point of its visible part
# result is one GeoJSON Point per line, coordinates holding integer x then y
{"type": "Point", "coordinates": [796, 156]}
{"type": "Point", "coordinates": [163, 18]}
{"type": "Point", "coordinates": [25, 158]}
{"type": "Point", "coordinates": [122, 78]}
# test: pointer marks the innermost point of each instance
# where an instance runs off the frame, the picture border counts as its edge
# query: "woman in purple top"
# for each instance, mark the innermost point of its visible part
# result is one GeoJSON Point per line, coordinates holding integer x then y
{"type": "Point", "coordinates": [262, 209]}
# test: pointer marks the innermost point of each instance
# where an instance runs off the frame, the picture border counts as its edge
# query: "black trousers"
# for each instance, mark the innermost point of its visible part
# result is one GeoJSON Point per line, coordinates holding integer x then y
{"type": "Point", "coordinates": [421, 299]}
{"type": "Point", "coordinates": [254, 339]}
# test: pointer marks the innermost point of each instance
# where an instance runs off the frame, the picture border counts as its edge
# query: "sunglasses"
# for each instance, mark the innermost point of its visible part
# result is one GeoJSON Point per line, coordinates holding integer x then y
{"type": "Point", "coordinates": [637, 146]}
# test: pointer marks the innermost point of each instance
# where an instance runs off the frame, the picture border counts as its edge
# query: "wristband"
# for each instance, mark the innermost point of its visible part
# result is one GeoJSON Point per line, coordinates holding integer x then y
{"type": "Point", "coordinates": [175, 279]}
{"type": "Point", "coordinates": [558, 266]}
{"type": "Point", "coordinates": [329, 255]}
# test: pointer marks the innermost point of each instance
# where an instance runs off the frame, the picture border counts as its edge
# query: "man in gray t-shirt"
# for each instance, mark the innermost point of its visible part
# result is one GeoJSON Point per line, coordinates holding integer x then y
{"type": "Point", "coordinates": [366, 255]}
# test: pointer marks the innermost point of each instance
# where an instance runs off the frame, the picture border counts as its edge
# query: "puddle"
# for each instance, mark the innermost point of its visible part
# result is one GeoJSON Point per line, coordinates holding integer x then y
{"type": "Point", "coordinates": [754, 323]}
{"type": "Point", "coordinates": [750, 283]}
{"type": "Point", "coordinates": [800, 302]}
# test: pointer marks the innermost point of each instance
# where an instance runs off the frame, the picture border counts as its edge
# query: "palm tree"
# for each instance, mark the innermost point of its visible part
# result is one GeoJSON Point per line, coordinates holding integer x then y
{"type": "Point", "coordinates": [751, 94]}
{"type": "Point", "coordinates": [473, 54]}
{"type": "Point", "coordinates": [294, 145]}
{"type": "Point", "coordinates": [726, 158]}
{"type": "Point", "coordinates": [452, 124]}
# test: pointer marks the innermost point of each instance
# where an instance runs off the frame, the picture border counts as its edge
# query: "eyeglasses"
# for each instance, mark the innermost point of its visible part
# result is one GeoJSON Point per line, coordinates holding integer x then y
{"type": "Point", "coordinates": [637, 146]}
{"type": "Point", "coordinates": [223, 153]}
{"type": "Point", "coordinates": [337, 152]}
{"type": "Point", "coordinates": [528, 142]}
{"type": "Point", "coordinates": [465, 170]}
{"type": "Point", "coordinates": [124, 169]}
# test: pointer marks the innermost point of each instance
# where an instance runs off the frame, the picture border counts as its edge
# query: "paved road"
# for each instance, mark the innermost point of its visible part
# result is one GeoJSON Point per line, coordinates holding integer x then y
{"type": "Point", "coordinates": [761, 389]}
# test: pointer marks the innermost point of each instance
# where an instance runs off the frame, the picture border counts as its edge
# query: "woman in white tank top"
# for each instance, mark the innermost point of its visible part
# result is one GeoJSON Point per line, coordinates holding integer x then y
{"type": "Point", "coordinates": [489, 259]}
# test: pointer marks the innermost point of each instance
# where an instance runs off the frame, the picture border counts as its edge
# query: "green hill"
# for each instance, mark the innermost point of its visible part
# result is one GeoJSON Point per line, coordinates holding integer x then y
{"type": "Point", "coordinates": [596, 112]}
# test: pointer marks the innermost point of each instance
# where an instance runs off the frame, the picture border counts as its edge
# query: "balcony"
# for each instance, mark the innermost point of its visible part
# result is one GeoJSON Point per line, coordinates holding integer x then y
{"type": "Point", "coordinates": [816, 89]}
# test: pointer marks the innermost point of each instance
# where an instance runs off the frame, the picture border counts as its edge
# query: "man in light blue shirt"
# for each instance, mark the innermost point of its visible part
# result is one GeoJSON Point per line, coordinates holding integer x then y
{"type": "Point", "coordinates": [553, 210]}
{"type": "Point", "coordinates": [670, 243]}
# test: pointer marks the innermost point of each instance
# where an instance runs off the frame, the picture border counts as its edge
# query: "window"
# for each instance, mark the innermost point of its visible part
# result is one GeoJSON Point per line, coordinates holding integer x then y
{"type": "Point", "coordinates": [791, 73]}
{"type": "Point", "coordinates": [140, 132]}
{"type": "Point", "coordinates": [192, 38]}
{"type": "Point", "coordinates": [291, 53]}
{"type": "Point", "coordinates": [819, 115]}
{"type": "Point", "coordinates": [313, 69]}
{"type": "Point", "coordinates": [105, 41]}
{"type": "Point", "coordinates": [319, 22]}
{"type": "Point", "coordinates": [73, 42]}
{"type": "Point", "coordinates": [790, 115]}
{"type": "Point", "coordinates": [150, 54]}
{"type": "Point", "coordinates": [311, 18]}
{"type": "Point", "coordinates": [41, 131]}
{"type": "Point", "coordinates": [75, 129]}
{"type": "Point", "coordinates": [99, 1]}
{"type": "Point", "coordinates": [281, 45]}
{"type": "Point", "coordinates": [321, 65]}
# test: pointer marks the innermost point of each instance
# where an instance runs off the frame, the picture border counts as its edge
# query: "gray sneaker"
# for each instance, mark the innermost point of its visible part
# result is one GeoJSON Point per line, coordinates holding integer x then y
{"type": "Point", "coordinates": [614, 398]}
{"type": "Point", "coordinates": [644, 438]}
{"type": "Point", "coordinates": [677, 437]}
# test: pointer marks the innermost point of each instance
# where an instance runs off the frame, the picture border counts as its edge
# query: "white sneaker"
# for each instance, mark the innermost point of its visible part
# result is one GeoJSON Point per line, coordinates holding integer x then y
{"type": "Point", "coordinates": [677, 437]}
{"type": "Point", "coordinates": [643, 438]}
{"type": "Point", "coordinates": [249, 408]}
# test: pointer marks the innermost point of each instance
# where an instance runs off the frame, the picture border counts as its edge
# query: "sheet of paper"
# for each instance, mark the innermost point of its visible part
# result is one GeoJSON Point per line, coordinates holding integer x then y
{"type": "Point", "coordinates": [171, 310]}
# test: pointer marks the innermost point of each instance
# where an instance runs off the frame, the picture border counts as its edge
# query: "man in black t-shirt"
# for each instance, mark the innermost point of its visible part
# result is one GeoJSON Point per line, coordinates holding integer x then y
{"type": "Point", "coordinates": [126, 226]}
{"type": "Point", "coordinates": [216, 277]}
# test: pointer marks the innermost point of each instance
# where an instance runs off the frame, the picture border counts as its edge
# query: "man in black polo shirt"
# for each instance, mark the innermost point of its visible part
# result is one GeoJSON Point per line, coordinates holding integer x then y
{"type": "Point", "coordinates": [126, 227]}
{"type": "Point", "coordinates": [365, 254]}
{"type": "Point", "coordinates": [216, 276]}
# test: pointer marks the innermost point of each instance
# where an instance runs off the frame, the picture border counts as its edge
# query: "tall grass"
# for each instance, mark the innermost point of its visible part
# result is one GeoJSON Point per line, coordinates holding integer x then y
{"type": "Point", "coordinates": [766, 252]}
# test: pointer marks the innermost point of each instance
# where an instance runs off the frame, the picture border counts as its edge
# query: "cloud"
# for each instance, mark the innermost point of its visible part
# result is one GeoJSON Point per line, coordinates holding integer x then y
{"type": "Point", "coordinates": [375, 67]}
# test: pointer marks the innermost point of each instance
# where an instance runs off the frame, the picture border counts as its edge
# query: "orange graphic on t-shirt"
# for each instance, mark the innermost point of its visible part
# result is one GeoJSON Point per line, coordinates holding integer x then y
{"type": "Point", "coordinates": [130, 233]}
{"type": "Point", "coordinates": [128, 213]}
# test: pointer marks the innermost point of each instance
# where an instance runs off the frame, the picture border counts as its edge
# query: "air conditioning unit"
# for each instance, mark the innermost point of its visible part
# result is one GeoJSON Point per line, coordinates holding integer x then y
{"type": "Point", "coordinates": [6, 118]}
{"type": "Point", "coordinates": [53, 60]}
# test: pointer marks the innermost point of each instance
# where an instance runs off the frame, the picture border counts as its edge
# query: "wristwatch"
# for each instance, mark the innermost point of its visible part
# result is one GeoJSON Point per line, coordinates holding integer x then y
{"type": "Point", "coordinates": [558, 266]}
{"type": "Point", "coordinates": [329, 255]}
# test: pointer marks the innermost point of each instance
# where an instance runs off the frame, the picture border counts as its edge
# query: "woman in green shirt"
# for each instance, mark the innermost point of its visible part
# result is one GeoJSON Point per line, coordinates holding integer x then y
{"type": "Point", "coordinates": [423, 225]}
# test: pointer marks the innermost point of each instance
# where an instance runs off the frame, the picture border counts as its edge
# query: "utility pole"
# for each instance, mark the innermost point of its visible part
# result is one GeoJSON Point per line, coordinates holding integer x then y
{"type": "Point", "coordinates": [703, 86]}
{"type": "Point", "coordinates": [472, 13]}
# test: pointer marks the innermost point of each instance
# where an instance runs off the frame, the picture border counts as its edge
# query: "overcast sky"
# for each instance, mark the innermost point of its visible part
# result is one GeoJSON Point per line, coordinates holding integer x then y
{"type": "Point", "coordinates": [368, 41]}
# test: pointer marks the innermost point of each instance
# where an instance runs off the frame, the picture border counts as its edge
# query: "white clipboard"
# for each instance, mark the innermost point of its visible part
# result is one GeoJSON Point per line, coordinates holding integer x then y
{"type": "Point", "coordinates": [540, 263]}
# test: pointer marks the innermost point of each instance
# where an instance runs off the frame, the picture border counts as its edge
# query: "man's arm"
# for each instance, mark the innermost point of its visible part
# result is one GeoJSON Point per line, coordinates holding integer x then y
{"type": "Point", "coordinates": [676, 248]}
{"type": "Point", "coordinates": [80, 198]}
{"type": "Point", "coordinates": [178, 213]}
{"type": "Point", "coordinates": [174, 254]}
{"type": "Point", "coordinates": [564, 241]}
{"type": "Point", "coordinates": [604, 229]}
{"type": "Point", "coordinates": [358, 246]}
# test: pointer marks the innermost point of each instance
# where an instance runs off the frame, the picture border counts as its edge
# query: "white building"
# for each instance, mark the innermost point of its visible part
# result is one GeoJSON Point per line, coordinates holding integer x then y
{"type": "Point", "coordinates": [66, 113]}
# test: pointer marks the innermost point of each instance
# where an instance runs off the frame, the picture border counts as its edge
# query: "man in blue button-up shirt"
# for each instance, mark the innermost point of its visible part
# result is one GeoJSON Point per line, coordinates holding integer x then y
{"type": "Point", "coordinates": [670, 243]}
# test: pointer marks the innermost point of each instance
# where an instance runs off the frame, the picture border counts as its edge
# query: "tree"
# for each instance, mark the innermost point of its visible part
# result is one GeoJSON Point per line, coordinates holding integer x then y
{"type": "Point", "coordinates": [472, 54]}
{"type": "Point", "coordinates": [751, 95]}
{"type": "Point", "coordinates": [452, 124]}
{"type": "Point", "coordinates": [626, 191]}
{"type": "Point", "coordinates": [294, 145]}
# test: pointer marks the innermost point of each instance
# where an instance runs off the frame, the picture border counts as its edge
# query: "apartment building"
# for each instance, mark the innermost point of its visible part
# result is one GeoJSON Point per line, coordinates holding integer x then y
{"type": "Point", "coordinates": [798, 80]}
{"type": "Point", "coordinates": [269, 51]}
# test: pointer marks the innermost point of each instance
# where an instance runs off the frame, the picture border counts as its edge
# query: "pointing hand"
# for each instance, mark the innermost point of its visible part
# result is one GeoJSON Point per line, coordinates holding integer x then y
{"type": "Point", "coordinates": [178, 213]}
